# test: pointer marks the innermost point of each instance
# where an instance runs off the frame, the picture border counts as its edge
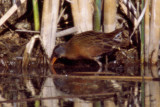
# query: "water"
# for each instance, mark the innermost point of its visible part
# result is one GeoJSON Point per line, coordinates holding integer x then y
{"type": "Point", "coordinates": [79, 85]}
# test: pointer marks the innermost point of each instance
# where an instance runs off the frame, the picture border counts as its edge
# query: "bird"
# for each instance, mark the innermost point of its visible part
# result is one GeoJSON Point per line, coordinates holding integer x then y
{"type": "Point", "coordinates": [89, 45]}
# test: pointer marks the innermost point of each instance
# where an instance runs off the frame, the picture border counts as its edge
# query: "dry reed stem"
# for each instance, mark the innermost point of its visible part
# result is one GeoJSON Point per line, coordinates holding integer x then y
{"type": "Point", "coordinates": [137, 22]}
{"type": "Point", "coordinates": [48, 34]}
{"type": "Point", "coordinates": [109, 23]}
{"type": "Point", "coordinates": [122, 78]}
{"type": "Point", "coordinates": [49, 25]}
{"type": "Point", "coordinates": [22, 9]}
{"type": "Point", "coordinates": [154, 32]}
{"type": "Point", "coordinates": [66, 32]}
{"type": "Point", "coordinates": [131, 7]}
{"type": "Point", "coordinates": [58, 34]}
{"type": "Point", "coordinates": [28, 50]}
{"type": "Point", "coordinates": [93, 73]}
{"type": "Point", "coordinates": [147, 30]}
{"type": "Point", "coordinates": [133, 19]}
{"type": "Point", "coordinates": [110, 12]}
{"type": "Point", "coordinates": [128, 13]}
{"type": "Point", "coordinates": [82, 11]}
{"type": "Point", "coordinates": [9, 13]}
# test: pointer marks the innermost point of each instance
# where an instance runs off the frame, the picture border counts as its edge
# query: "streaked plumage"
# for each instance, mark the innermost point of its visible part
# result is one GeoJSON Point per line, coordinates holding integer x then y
{"type": "Point", "coordinates": [90, 45]}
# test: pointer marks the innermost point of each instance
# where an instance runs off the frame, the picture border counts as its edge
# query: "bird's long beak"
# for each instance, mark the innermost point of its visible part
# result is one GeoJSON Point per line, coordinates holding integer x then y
{"type": "Point", "coordinates": [51, 65]}
{"type": "Point", "coordinates": [53, 60]}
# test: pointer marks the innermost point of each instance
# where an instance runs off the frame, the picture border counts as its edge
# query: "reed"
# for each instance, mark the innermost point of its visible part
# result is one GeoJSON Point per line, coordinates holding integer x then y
{"type": "Point", "coordinates": [97, 27]}
{"type": "Point", "coordinates": [126, 10]}
{"type": "Point", "coordinates": [36, 15]}
{"type": "Point", "coordinates": [82, 12]}
{"type": "Point", "coordinates": [110, 12]}
{"type": "Point", "coordinates": [49, 25]}
{"type": "Point", "coordinates": [142, 36]}
{"type": "Point", "coordinates": [146, 32]}
{"type": "Point", "coordinates": [154, 32]}
{"type": "Point", "coordinates": [22, 9]}
{"type": "Point", "coordinates": [10, 12]}
{"type": "Point", "coordinates": [97, 15]}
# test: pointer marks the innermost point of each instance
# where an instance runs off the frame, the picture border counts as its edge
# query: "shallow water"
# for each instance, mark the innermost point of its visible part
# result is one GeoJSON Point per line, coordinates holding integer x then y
{"type": "Point", "coordinates": [79, 85]}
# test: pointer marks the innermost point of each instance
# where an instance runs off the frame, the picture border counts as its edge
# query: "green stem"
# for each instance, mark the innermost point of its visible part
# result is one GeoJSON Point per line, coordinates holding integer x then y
{"type": "Point", "coordinates": [36, 15]}
{"type": "Point", "coordinates": [142, 36]}
{"type": "Point", "coordinates": [97, 15]}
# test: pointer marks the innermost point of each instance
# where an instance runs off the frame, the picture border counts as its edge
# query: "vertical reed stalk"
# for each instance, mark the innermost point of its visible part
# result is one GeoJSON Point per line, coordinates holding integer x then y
{"type": "Point", "coordinates": [36, 15]}
{"type": "Point", "coordinates": [97, 15]}
{"type": "Point", "coordinates": [48, 34]}
{"type": "Point", "coordinates": [82, 11]}
{"type": "Point", "coordinates": [146, 29]}
{"type": "Point", "coordinates": [110, 11]}
{"type": "Point", "coordinates": [154, 32]}
{"type": "Point", "coordinates": [22, 9]}
{"type": "Point", "coordinates": [142, 35]}
{"type": "Point", "coordinates": [49, 25]}
{"type": "Point", "coordinates": [109, 23]}
{"type": "Point", "coordinates": [142, 57]}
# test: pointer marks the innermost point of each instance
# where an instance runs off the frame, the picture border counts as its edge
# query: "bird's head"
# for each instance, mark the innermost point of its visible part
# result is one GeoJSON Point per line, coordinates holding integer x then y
{"type": "Point", "coordinates": [58, 52]}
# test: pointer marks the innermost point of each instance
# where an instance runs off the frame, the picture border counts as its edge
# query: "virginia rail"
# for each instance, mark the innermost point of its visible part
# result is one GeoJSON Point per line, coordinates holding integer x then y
{"type": "Point", "coordinates": [89, 45]}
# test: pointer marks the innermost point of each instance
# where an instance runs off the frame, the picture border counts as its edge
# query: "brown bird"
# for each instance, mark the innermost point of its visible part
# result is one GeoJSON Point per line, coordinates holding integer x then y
{"type": "Point", "coordinates": [89, 45]}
